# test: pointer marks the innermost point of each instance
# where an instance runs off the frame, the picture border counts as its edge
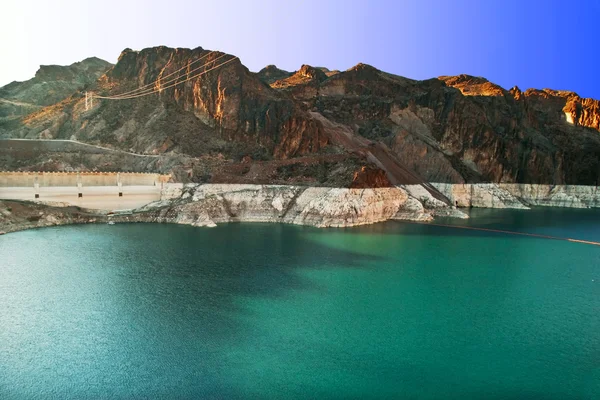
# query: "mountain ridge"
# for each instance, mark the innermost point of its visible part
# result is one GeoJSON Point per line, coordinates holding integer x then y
{"type": "Point", "coordinates": [449, 129]}
{"type": "Point", "coordinates": [50, 84]}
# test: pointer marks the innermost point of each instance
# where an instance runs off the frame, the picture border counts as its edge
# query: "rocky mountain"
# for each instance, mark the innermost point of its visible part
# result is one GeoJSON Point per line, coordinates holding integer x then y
{"type": "Point", "coordinates": [361, 127]}
{"type": "Point", "coordinates": [271, 73]}
{"type": "Point", "coordinates": [51, 84]}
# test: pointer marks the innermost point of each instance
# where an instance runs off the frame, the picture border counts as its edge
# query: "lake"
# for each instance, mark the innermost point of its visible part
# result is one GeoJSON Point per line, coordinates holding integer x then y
{"type": "Point", "coordinates": [267, 311]}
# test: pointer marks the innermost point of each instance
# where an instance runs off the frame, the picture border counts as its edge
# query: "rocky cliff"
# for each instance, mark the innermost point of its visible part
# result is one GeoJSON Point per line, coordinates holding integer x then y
{"type": "Point", "coordinates": [466, 129]}
{"type": "Point", "coordinates": [360, 127]}
{"type": "Point", "coordinates": [207, 205]}
{"type": "Point", "coordinates": [510, 195]}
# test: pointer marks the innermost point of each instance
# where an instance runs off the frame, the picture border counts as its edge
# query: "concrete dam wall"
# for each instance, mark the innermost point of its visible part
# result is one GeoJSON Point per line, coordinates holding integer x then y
{"type": "Point", "coordinates": [50, 179]}
{"type": "Point", "coordinates": [97, 190]}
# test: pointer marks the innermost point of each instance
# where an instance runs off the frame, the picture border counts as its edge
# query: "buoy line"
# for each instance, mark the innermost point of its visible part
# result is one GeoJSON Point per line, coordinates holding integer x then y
{"type": "Point", "coordinates": [535, 235]}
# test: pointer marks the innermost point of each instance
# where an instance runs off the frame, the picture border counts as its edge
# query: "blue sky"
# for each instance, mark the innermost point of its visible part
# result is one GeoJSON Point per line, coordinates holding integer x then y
{"type": "Point", "coordinates": [511, 42]}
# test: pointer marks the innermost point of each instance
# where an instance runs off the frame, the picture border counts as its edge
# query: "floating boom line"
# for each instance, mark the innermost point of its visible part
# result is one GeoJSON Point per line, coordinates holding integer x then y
{"type": "Point", "coordinates": [534, 235]}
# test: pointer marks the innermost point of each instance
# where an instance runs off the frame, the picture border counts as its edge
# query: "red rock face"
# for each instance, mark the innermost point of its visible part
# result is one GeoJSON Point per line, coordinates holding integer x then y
{"type": "Point", "coordinates": [370, 177]}
{"type": "Point", "coordinates": [450, 129]}
{"type": "Point", "coordinates": [474, 132]}
{"type": "Point", "coordinates": [232, 101]}
{"type": "Point", "coordinates": [583, 112]}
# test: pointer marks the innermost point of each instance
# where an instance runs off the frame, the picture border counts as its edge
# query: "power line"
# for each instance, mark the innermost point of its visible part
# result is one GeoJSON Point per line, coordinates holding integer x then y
{"type": "Point", "coordinates": [142, 88]}
{"type": "Point", "coordinates": [154, 89]}
{"type": "Point", "coordinates": [175, 84]}
{"type": "Point", "coordinates": [166, 87]}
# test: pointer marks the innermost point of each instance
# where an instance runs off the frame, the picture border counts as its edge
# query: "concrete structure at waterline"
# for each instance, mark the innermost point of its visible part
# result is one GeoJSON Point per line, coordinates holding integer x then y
{"type": "Point", "coordinates": [99, 190]}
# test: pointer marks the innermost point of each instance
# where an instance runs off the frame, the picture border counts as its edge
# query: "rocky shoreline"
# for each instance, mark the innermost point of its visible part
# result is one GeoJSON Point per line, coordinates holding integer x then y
{"type": "Point", "coordinates": [211, 204]}
{"type": "Point", "coordinates": [519, 195]}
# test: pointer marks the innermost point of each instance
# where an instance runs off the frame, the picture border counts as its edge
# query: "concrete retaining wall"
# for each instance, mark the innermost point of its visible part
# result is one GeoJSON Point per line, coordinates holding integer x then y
{"type": "Point", "coordinates": [95, 197]}
{"type": "Point", "coordinates": [65, 179]}
{"type": "Point", "coordinates": [132, 179]}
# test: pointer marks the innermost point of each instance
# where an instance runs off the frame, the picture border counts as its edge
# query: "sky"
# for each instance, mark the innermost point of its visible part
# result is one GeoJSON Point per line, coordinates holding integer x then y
{"type": "Point", "coordinates": [529, 43]}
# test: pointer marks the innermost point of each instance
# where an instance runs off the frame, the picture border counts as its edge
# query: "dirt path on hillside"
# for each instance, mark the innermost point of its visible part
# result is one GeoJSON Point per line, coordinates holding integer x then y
{"type": "Point", "coordinates": [18, 103]}
{"type": "Point", "coordinates": [33, 142]}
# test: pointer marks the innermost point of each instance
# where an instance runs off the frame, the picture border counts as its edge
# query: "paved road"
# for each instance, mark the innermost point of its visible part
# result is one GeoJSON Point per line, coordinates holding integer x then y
{"type": "Point", "coordinates": [54, 141]}
{"type": "Point", "coordinates": [18, 103]}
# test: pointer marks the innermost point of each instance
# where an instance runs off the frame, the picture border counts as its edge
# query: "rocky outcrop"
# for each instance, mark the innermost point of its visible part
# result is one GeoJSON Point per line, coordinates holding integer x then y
{"type": "Point", "coordinates": [19, 215]}
{"type": "Point", "coordinates": [582, 112]}
{"type": "Point", "coordinates": [206, 205]}
{"type": "Point", "coordinates": [321, 207]}
{"type": "Point", "coordinates": [305, 74]}
{"type": "Point", "coordinates": [523, 196]}
{"type": "Point", "coordinates": [482, 195]}
{"type": "Point", "coordinates": [271, 73]}
{"type": "Point", "coordinates": [473, 85]}
{"type": "Point", "coordinates": [370, 177]}
{"type": "Point", "coordinates": [572, 196]}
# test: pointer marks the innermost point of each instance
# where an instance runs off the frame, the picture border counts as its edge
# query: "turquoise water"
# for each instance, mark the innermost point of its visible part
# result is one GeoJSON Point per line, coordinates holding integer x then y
{"type": "Point", "coordinates": [265, 311]}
